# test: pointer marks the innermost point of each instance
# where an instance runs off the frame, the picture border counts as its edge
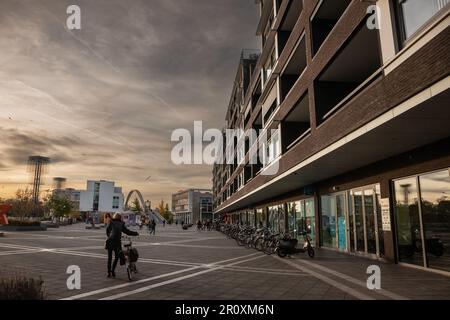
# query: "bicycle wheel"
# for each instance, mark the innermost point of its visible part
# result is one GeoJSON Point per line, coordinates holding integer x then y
{"type": "Point", "coordinates": [311, 252]}
{"type": "Point", "coordinates": [267, 248]}
{"type": "Point", "coordinates": [259, 245]}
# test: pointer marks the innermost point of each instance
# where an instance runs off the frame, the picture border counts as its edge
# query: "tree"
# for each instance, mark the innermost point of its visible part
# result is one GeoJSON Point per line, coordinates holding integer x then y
{"type": "Point", "coordinates": [164, 211]}
{"type": "Point", "coordinates": [136, 206]}
{"type": "Point", "coordinates": [22, 204]}
{"type": "Point", "coordinates": [60, 205]}
{"type": "Point", "coordinates": [161, 207]}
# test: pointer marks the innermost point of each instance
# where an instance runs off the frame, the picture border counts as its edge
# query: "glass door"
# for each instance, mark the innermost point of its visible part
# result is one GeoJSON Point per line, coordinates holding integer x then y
{"type": "Point", "coordinates": [369, 213]}
{"type": "Point", "coordinates": [364, 227]}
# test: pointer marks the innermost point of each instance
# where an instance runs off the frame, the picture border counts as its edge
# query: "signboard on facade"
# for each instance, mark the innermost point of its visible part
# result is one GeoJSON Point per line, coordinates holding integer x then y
{"type": "Point", "coordinates": [385, 214]}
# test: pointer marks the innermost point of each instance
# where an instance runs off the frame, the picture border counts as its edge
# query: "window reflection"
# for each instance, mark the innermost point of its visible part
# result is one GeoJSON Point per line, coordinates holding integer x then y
{"type": "Point", "coordinates": [408, 221]}
{"type": "Point", "coordinates": [328, 232]}
{"type": "Point", "coordinates": [431, 219]}
{"type": "Point", "coordinates": [261, 218]}
{"type": "Point", "coordinates": [435, 202]}
{"type": "Point", "coordinates": [416, 13]}
{"type": "Point", "coordinates": [301, 217]}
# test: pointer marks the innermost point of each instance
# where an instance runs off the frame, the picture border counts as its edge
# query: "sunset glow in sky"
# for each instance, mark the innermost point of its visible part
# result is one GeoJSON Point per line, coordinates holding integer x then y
{"type": "Point", "coordinates": [102, 101]}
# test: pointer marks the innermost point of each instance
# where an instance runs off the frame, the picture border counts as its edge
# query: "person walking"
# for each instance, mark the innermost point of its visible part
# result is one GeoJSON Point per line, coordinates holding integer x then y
{"type": "Point", "coordinates": [153, 226]}
{"type": "Point", "coordinates": [107, 219]}
{"type": "Point", "coordinates": [114, 241]}
{"type": "Point", "coordinates": [164, 223]}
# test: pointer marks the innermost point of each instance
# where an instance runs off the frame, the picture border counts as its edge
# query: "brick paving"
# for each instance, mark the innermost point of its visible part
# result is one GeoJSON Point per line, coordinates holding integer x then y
{"type": "Point", "coordinates": [190, 265]}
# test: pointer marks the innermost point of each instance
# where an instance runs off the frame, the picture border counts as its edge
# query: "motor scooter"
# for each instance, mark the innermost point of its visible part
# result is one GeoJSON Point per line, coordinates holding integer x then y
{"type": "Point", "coordinates": [288, 246]}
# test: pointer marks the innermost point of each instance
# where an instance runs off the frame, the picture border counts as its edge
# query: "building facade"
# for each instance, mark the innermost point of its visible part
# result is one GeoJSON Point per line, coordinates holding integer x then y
{"type": "Point", "coordinates": [192, 205]}
{"type": "Point", "coordinates": [356, 99]}
{"type": "Point", "coordinates": [71, 194]}
{"type": "Point", "coordinates": [101, 196]}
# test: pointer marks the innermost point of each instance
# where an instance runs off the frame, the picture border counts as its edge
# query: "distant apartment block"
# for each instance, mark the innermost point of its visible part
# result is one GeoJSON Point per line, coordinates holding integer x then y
{"type": "Point", "coordinates": [100, 196]}
{"type": "Point", "coordinates": [192, 205]}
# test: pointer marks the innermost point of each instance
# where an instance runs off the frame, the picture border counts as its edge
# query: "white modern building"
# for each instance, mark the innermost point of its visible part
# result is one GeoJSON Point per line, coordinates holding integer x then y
{"type": "Point", "coordinates": [101, 196]}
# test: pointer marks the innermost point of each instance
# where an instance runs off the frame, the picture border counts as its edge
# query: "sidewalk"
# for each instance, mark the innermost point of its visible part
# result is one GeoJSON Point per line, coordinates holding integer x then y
{"type": "Point", "coordinates": [397, 281]}
{"type": "Point", "coordinates": [188, 265]}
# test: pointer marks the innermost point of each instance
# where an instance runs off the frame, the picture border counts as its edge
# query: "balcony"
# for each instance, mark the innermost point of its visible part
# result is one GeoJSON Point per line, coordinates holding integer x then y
{"type": "Point", "coordinates": [293, 69]}
{"type": "Point", "coordinates": [288, 22]}
{"type": "Point", "coordinates": [296, 125]}
{"type": "Point", "coordinates": [351, 70]}
{"type": "Point", "coordinates": [324, 19]}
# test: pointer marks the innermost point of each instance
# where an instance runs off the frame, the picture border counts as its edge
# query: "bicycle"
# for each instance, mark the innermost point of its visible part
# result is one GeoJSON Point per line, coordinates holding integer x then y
{"type": "Point", "coordinates": [131, 257]}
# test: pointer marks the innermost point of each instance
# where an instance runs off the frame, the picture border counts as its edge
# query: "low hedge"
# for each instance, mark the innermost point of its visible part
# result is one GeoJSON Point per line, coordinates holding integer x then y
{"type": "Point", "coordinates": [21, 288]}
{"type": "Point", "coordinates": [23, 223]}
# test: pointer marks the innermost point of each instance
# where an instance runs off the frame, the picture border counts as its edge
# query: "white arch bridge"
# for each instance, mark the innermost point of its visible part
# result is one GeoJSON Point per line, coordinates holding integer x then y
{"type": "Point", "coordinates": [148, 211]}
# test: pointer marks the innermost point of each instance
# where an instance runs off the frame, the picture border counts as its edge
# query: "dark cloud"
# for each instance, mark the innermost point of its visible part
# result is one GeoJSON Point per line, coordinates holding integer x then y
{"type": "Point", "coordinates": [18, 146]}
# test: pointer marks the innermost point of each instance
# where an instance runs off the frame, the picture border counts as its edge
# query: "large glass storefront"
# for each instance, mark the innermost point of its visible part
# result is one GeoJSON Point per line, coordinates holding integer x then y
{"type": "Point", "coordinates": [301, 217]}
{"type": "Point", "coordinates": [351, 221]}
{"type": "Point", "coordinates": [422, 216]}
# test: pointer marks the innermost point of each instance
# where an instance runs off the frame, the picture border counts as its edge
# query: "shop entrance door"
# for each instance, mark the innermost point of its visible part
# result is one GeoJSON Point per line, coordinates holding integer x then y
{"type": "Point", "coordinates": [364, 227]}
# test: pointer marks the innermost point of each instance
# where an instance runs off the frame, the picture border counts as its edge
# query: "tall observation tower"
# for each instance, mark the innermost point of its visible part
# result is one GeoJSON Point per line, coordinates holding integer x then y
{"type": "Point", "coordinates": [37, 166]}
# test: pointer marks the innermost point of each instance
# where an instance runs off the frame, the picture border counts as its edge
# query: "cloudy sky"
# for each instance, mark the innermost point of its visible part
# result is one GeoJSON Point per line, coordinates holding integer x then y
{"type": "Point", "coordinates": [103, 101]}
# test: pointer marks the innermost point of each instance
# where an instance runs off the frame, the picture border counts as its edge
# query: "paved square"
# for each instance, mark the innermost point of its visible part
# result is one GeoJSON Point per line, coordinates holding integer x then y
{"type": "Point", "coordinates": [191, 265]}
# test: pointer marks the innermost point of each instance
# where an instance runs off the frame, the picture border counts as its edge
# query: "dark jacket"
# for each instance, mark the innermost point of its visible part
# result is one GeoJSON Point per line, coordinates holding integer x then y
{"type": "Point", "coordinates": [114, 233]}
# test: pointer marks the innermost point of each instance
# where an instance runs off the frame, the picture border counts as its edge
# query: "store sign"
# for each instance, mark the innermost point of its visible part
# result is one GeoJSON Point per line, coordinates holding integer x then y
{"type": "Point", "coordinates": [385, 214]}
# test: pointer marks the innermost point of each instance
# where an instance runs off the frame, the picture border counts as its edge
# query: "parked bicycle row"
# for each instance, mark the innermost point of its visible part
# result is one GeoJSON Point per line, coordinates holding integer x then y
{"type": "Point", "coordinates": [267, 241]}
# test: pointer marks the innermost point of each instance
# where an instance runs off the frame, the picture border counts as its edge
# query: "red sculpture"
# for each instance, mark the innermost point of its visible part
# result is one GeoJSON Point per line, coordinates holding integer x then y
{"type": "Point", "coordinates": [4, 209]}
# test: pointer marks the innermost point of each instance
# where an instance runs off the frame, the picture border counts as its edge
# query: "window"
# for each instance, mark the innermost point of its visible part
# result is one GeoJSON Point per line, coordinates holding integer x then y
{"type": "Point", "coordinates": [273, 219]}
{"type": "Point", "coordinates": [413, 14]}
{"type": "Point", "coordinates": [251, 218]}
{"type": "Point", "coordinates": [115, 202]}
{"type": "Point", "coordinates": [422, 217]}
{"type": "Point", "coordinates": [328, 230]}
{"type": "Point", "coordinates": [261, 220]}
{"type": "Point", "coordinates": [268, 67]}
{"type": "Point", "coordinates": [301, 217]}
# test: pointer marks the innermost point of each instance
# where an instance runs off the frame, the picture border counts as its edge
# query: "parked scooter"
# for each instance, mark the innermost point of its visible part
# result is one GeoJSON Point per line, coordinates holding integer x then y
{"type": "Point", "coordinates": [288, 246]}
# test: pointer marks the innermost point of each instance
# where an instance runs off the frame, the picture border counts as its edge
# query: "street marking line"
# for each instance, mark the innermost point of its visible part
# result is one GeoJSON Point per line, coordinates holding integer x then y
{"type": "Point", "coordinates": [288, 273]}
{"type": "Point", "coordinates": [357, 294]}
{"type": "Point", "coordinates": [160, 284]}
{"type": "Point", "coordinates": [157, 261]}
{"type": "Point", "coordinates": [348, 278]}
{"type": "Point", "coordinates": [16, 252]}
{"type": "Point", "coordinates": [95, 292]}
{"type": "Point", "coordinates": [71, 251]}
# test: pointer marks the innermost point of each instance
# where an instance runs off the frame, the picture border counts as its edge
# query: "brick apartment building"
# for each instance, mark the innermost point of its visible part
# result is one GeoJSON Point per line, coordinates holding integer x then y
{"type": "Point", "coordinates": [362, 140]}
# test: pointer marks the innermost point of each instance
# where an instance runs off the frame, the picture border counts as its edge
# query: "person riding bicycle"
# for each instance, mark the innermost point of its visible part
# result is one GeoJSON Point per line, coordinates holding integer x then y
{"type": "Point", "coordinates": [114, 242]}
